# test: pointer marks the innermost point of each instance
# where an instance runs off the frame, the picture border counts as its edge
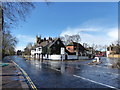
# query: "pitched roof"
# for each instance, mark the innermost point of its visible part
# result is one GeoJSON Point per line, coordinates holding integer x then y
{"type": "Point", "coordinates": [75, 44]}
{"type": "Point", "coordinates": [48, 43]}
{"type": "Point", "coordinates": [52, 43]}
{"type": "Point", "coordinates": [43, 44]}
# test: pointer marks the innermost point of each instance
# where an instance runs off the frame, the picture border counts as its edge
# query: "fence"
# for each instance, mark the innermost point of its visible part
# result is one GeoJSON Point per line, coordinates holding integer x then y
{"type": "Point", "coordinates": [114, 55]}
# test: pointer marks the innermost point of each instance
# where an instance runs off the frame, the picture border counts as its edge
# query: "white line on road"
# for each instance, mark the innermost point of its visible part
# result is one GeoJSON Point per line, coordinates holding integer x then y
{"type": "Point", "coordinates": [55, 69]}
{"type": "Point", "coordinates": [91, 80]}
{"type": "Point", "coordinates": [95, 82]}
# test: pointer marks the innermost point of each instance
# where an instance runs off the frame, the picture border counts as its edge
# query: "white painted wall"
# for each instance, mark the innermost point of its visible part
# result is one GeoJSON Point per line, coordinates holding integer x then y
{"type": "Point", "coordinates": [32, 52]}
{"type": "Point", "coordinates": [72, 57]}
{"type": "Point", "coordinates": [37, 51]}
{"type": "Point", "coordinates": [107, 53]}
{"type": "Point", "coordinates": [83, 57]}
{"type": "Point", "coordinates": [56, 57]}
{"type": "Point", "coordinates": [45, 57]}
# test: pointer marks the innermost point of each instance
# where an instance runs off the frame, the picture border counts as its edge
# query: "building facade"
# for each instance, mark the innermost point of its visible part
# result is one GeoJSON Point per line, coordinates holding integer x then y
{"type": "Point", "coordinates": [113, 51]}
{"type": "Point", "coordinates": [46, 48]}
{"type": "Point", "coordinates": [76, 48]}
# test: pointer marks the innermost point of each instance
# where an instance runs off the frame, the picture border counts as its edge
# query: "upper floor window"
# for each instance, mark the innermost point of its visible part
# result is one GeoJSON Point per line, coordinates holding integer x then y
{"type": "Point", "coordinates": [58, 42]}
{"type": "Point", "coordinates": [75, 48]}
{"type": "Point", "coordinates": [68, 48]}
{"type": "Point", "coordinates": [39, 49]}
{"type": "Point", "coordinates": [111, 48]}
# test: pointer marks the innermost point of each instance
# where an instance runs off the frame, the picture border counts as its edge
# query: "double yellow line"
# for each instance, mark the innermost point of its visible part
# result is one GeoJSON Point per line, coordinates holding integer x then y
{"type": "Point", "coordinates": [27, 77]}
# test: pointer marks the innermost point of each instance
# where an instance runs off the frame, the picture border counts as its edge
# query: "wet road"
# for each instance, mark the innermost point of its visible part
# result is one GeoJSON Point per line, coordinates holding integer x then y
{"type": "Point", "coordinates": [56, 74]}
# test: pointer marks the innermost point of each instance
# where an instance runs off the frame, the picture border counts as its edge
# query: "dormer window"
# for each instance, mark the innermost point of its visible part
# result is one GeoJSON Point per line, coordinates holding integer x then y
{"type": "Point", "coordinates": [68, 48]}
{"type": "Point", "coordinates": [39, 49]}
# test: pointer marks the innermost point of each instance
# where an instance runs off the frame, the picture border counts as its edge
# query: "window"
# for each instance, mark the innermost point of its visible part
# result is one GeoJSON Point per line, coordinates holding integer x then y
{"type": "Point", "coordinates": [111, 48]}
{"type": "Point", "coordinates": [58, 42]}
{"type": "Point", "coordinates": [39, 49]}
{"type": "Point", "coordinates": [68, 48]}
{"type": "Point", "coordinates": [75, 48]}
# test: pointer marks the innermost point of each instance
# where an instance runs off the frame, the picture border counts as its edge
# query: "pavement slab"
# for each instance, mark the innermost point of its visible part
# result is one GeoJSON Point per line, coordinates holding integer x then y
{"type": "Point", "coordinates": [12, 77]}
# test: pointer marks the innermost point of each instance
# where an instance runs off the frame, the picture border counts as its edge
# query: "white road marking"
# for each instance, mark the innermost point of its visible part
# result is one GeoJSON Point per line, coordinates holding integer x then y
{"type": "Point", "coordinates": [95, 82]}
{"type": "Point", "coordinates": [56, 69]}
{"type": "Point", "coordinates": [91, 80]}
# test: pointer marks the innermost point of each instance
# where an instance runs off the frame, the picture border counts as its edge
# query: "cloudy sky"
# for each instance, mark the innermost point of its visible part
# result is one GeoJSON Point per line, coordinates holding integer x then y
{"type": "Point", "coordinates": [95, 22]}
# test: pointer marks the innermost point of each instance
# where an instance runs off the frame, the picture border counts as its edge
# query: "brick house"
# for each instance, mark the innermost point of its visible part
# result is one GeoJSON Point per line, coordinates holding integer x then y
{"type": "Point", "coordinates": [112, 50]}
{"type": "Point", "coordinates": [74, 47]}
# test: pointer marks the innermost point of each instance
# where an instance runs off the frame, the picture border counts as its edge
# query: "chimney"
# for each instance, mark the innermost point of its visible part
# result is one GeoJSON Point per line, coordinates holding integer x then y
{"type": "Point", "coordinates": [44, 39]}
{"type": "Point", "coordinates": [36, 38]}
{"type": "Point", "coordinates": [50, 38]}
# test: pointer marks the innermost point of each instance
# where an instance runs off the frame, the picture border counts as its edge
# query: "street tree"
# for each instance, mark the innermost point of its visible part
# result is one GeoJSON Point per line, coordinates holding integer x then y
{"type": "Point", "coordinates": [8, 45]}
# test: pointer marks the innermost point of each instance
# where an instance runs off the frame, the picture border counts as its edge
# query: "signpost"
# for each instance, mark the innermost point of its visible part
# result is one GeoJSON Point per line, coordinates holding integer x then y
{"type": "Point", "coordinates": [62, 52]}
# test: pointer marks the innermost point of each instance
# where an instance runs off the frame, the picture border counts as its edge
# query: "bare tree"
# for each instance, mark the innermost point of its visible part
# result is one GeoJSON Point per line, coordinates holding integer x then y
{"type": "Point", "coordinates": [13, 12]}
{"type": "Point", "coordinates": [10, 14]}
{"type": "Point", "coordinates": [9, 42]}
{"type": "Point", "coordinates": [67, 39]}
{"type": "Point", "coordinates": [28, 49]}
{"type": "Point", "coordinates": [75, 38]}
{"type": "Point", "coordinates": [117, 42]}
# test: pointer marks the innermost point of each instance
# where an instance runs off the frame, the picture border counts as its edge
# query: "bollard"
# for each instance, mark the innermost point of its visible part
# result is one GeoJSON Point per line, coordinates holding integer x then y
{"type": "Point", "coordinates": [98, 59]}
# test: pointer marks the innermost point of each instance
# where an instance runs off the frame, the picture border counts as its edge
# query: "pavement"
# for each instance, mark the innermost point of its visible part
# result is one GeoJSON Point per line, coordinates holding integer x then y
{"type": "Point", "coordinates": [12, 77]}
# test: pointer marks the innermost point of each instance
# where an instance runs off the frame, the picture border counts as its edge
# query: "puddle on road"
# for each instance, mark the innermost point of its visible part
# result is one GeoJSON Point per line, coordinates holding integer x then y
{"type": "Point", "coordinates": [70, 68]}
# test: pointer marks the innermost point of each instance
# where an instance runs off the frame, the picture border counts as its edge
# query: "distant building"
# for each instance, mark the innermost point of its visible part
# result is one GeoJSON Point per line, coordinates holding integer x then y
{"type": "Point", "coordinates": [113, 50]}
{"type": "Point", "coordinates": [19, 52]}
{"type": "Point", "coordinates": [100, 53]}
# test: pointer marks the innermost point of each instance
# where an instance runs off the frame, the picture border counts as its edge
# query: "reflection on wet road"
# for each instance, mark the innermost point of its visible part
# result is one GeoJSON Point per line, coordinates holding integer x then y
{"type": "Point", "coordinates": [56, 74]}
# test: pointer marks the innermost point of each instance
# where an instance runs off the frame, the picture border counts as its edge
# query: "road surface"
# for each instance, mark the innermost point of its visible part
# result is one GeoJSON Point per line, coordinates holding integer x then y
{"type": "Point", "coordinates": [56, 74]}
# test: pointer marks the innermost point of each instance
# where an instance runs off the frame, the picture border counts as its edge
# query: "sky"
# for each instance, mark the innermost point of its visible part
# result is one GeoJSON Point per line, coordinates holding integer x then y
{"type": "Point", "coordinates": [95, 22]}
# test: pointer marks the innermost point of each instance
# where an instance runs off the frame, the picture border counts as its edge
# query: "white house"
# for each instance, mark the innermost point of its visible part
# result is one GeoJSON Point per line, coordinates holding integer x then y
{"type": "Point", "coordinates": [36, 53]}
